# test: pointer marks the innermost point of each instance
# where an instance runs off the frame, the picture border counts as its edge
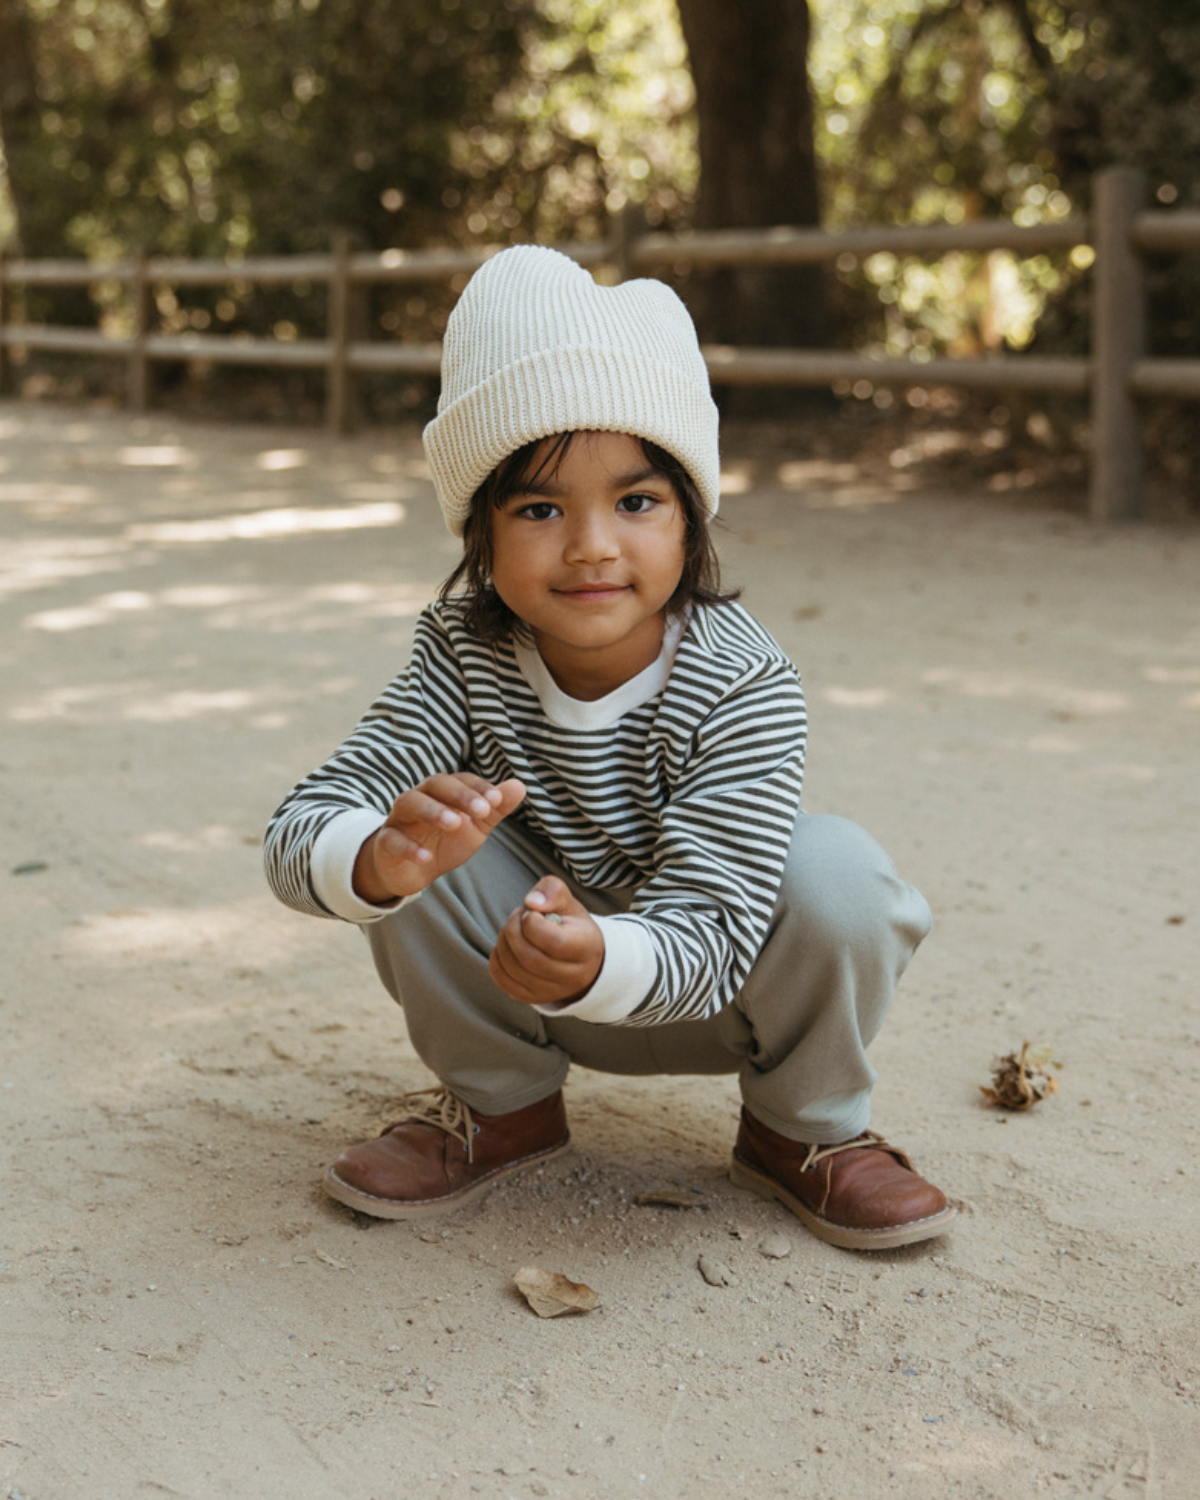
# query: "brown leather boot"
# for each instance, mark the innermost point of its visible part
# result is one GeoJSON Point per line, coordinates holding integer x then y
{"type": "Point", "coordinates": [862, 1195]}
{"type": "Point", "coordinates": [439, 1155]}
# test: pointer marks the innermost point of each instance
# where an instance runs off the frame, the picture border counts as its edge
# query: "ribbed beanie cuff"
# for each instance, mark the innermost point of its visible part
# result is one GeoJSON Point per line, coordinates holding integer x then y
{"type": "Point", "coordinates": [536, 347]}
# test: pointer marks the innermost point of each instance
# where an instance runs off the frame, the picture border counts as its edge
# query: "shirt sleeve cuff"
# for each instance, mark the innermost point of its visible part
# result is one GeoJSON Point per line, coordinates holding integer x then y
{"type": "Point", "coordinates": [332, 866]}
{"type": "Point", "coordinates": [626, 976]}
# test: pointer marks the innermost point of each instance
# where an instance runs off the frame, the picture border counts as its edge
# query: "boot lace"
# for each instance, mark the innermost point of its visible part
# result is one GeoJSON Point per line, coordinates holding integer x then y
{"type": "Point", "coordinates": [441, 1108]}
{"type": "Point", "coordinates": [868, 1140]}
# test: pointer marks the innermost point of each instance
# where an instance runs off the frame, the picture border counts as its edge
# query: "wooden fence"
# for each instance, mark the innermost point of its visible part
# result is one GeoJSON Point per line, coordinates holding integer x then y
{"type": "Point", "coordinates": [1118, 371]}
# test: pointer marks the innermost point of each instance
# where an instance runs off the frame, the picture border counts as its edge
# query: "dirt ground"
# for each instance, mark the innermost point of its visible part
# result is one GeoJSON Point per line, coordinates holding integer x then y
{"type": "Point", "coordinates": [1008, 698]}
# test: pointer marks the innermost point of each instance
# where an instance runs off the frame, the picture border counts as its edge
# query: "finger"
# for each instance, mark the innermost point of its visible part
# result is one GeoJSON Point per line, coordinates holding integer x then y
{"type": "Point", "coordinates": [507, 973]}
{"type": "Point", "coordinates": [505, 798]}
{"type": "Point", "coordinates": [561, 944]}
{"type": "Point", "coordinates": [477, 783]}
{"type": "Point", "coordinates": [541, 950]}
{"type": "Point", "coordinates": [478, 787]}
{"type": "Point", "coordinates": [551, 896]}
{"type": "Point", "coordinates": [392, 845]}
{"type": "Point", "coordinates": [523, 985]}
{"type": "Point", "coordinates": [512, 794]}
{"type": "Point", "coordinates": [519, 950]}
{"type": "Point", "coordinates": [540, 897]}
{"type": "Point", "coordinates": [416, 807]}
{"type": "Point", "coordinates": [464, 791]}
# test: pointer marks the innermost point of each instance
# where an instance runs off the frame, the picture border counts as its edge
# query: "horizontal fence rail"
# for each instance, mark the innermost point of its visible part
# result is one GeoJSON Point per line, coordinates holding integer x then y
{"type": "Point", "coordinates": [808, 247]}
{"type": "Point", "coordinates": [1120, 231]}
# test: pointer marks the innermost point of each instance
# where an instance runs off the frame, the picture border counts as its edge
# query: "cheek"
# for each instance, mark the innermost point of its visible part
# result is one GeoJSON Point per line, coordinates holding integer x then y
{"type": "Point", "coordinates": [502, 549]}
{"type": "Point", "coordinates": [514, 566]}
{"type": "Point", "coordinates": [478, 550]}
{"type": "Point", "coordinates": [678, 548]}
{"type": "Point", "coordinates": [510, 553]}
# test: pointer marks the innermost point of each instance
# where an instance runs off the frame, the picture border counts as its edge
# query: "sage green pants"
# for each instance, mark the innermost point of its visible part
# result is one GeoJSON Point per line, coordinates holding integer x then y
{"type": "Point", "coordinates": [844, 928]}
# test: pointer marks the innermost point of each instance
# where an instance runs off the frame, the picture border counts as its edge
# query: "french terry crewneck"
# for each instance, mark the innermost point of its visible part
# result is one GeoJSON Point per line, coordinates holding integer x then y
{"type": "Point", "coordinates": [683, 784]}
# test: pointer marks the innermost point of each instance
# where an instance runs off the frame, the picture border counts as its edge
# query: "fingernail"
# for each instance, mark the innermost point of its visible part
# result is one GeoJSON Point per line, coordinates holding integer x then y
{"type": "Point", "coordinates": [480, 806]}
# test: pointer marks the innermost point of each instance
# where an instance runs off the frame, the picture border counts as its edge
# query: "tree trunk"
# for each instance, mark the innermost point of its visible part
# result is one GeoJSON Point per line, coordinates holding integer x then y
{"type": "Point", "coordinates": [758, 168]}
{"type": "Point", "coordinates": [41, 208]}
{"type": "Point", "coordinates": [20, 120]}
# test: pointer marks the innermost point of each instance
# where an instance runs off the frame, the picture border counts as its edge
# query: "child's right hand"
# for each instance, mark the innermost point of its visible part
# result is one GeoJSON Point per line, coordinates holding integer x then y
{"type": "Point", "coordinates": [435, 827]}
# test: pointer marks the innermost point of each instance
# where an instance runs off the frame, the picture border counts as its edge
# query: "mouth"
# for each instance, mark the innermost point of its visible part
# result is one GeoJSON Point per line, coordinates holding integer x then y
{"type": "Point", "coordinates": [588, 591]}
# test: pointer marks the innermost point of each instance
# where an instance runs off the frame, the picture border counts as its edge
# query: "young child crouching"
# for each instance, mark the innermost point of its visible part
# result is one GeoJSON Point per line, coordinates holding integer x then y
{"type": "Point", "coordinates": [571, 828]}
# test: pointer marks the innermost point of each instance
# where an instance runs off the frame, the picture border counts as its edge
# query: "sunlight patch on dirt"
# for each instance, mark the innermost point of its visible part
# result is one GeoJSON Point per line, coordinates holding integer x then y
{"type": "Point", "coordinates": [196, 841]}
{"type": "Point", "coordinates": [143, 932]}
{"type": "Point", "coordinates": [161, 456]}
{"type": "Point", "coordinates": [288, 521]}
{"type": "Point", "coordinates": [1071, 701]}
{"type": "Point", "coordinates": [38, 563]}
{"type": "Point", "coordinates": [101, 611]}
{"type": "Point", "coordinates": [38, 492]}
{"type": "Point", "coordinates": [274, 459]}
{"type": "Point", "coordinates": [858, 697]}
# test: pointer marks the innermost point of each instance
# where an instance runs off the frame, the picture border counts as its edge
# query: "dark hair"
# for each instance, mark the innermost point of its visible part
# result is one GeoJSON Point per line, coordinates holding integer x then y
{"type": "Point", "coordinates": [488, 615]}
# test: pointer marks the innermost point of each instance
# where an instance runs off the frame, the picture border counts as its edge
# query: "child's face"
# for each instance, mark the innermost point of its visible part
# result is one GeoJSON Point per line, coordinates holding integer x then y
{"type": "Point", "coordinates": [588, 552]}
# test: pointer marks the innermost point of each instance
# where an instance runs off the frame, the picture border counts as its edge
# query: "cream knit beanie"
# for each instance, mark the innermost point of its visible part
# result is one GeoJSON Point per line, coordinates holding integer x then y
{"type": "Point", "coordinates": [536, 347]}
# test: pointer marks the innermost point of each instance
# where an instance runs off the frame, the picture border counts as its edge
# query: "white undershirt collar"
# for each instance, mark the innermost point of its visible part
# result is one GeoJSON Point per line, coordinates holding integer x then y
{"type": "Point", "coordinates": [598, 713]}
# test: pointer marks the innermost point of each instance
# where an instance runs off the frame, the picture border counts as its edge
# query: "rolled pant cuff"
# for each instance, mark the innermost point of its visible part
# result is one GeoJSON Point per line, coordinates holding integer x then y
{"type": "Point", "coordinates": [815, 1129]}
{"type": "Point", "coordinates": [487, 1105]}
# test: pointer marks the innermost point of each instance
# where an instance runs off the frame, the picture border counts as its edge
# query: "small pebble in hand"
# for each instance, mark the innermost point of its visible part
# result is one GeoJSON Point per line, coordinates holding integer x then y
{"type": "Point", "coordinates": [553, 916]}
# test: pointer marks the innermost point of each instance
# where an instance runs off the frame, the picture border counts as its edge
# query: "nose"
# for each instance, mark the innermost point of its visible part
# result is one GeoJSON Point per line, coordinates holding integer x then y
{"type": "Point", "coordinates": [591, 538]}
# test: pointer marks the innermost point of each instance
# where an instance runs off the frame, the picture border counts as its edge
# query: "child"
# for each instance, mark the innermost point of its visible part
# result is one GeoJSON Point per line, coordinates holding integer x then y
{"type": "Point", "coordinates": [571, 828]}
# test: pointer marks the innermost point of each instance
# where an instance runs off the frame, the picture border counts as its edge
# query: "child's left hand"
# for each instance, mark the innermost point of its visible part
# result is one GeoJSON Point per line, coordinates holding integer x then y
{"type": "Point", "coordinates": [542, 961]}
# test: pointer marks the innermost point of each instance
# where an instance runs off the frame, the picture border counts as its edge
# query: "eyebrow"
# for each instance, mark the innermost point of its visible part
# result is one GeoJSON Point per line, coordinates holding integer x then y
{"type": "Point", "coordinates": [619, 482]}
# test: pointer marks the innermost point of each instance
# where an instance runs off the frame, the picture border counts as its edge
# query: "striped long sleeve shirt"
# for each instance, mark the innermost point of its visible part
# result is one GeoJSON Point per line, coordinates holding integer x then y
{"type": "Point", "coordinates": [684, 784]}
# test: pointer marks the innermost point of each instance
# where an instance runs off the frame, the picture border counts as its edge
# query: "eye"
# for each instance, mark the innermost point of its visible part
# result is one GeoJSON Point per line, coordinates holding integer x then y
{"type": "Point", "coordinates": [638, 505]}
{"type": "Point", "coordinates": [539, 510]}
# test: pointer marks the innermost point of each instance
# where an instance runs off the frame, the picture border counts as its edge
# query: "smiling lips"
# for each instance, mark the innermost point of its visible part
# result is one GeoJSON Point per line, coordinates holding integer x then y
{"type": "Point", "coordinates": [586, 591]}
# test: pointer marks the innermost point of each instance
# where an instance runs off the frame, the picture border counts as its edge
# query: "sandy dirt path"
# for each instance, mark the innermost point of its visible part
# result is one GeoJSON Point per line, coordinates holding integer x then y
{"type": "Point", "coordinates": [1010, 701]}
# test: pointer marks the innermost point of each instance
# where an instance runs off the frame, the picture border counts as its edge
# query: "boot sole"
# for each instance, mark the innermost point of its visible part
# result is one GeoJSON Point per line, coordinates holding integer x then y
{"type": "Point", "coordinates": [431, 1208]}
{"type": "Point", "coordinates": [742, 1175]}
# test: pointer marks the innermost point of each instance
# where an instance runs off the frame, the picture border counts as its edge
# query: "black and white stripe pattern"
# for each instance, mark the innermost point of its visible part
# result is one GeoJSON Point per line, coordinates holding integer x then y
{"type": "Point", "coordinates": [691, 797]}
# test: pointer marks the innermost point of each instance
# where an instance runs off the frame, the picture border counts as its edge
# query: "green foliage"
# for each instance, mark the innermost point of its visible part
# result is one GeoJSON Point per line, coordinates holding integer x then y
{"type": "Point", "coordinates": [600, 117]}
{"type": "Point", "coordinates": [233, 127]}
{"type": "Point", "coordinates": [227, 127]}
{"type": "Point", "coordinates": [949, 110]}
{"type": "Point", "coordinates": [222, 127]}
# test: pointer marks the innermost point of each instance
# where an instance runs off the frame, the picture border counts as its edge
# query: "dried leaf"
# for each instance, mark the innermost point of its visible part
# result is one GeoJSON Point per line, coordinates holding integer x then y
{"type": "Point", "coordinates": [549, 1293]}
{"type": "Point", "coordinates": [669, 1198]}
{"type": "Point", "coordinates": [716, 1272]}
{"type": "Point", "coordinates": [1020, 1082]}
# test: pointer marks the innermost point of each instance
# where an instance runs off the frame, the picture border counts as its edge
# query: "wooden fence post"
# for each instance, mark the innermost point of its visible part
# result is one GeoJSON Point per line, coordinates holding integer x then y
{"type": "Point", "coordinates": [347, 321]}
{"type": "Point", "coordinates": [626, 228]}
{"type": "Point", "coordinates": [138, 391]}
{"type": "Point", "coordinates": [5, 319]}
{"type": "Point", "coordinates": [1118, 340]}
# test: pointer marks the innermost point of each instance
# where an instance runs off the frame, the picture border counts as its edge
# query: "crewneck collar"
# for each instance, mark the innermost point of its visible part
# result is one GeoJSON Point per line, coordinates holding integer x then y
{"type": "Point", "coordinates": [598, 713]}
